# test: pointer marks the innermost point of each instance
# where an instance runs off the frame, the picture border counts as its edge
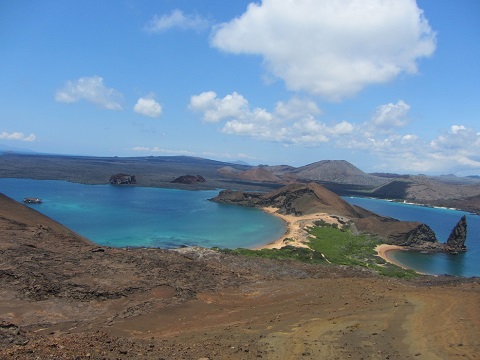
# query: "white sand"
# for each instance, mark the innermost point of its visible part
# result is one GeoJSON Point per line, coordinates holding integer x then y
{"type": "Point", "coordinates": [383, 249]}
{"type": "Point", "coordinates": [297, 227]}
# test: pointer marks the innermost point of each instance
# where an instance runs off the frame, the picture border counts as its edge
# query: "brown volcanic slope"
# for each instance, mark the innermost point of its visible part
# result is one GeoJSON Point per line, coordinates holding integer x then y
{"type": "Point", "coordinates": [261, 174]}
{"type": "Point", "coordinates": [64, 298]}
{"type": "Point", "coordinates": [27, 218]}
{"type": "Point", "coordinates": [337, 171]}
{"type": "Point", "coordinates": [300, 199]}
{"type": "Point", "coordinates": [427, 190]}
{"type": "Point", "coordinates": [295, 199]}
{"type": "Point", "coordinates": [313, 198]}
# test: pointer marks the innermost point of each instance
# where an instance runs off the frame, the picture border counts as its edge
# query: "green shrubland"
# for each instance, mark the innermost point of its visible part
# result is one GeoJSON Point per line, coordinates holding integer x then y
{"type": "Point", "coordinates": [341, 247]}
{"type": "Point", "coordinates": [331, 244]}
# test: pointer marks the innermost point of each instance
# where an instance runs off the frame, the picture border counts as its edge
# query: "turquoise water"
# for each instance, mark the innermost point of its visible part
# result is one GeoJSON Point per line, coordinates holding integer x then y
{"type": "Point", "coordinates": [148, 217]}
{"type": "Point", "coordinates": [165, 218]}
{"type": "Point", "coordinates": [442, 222]}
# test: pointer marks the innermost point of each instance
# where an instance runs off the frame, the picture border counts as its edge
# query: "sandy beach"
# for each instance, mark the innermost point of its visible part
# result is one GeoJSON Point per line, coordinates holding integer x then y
{"type": "Point", "coordinates": [296, 233]}
{"type": "Point", "coordinates": [383, 249]}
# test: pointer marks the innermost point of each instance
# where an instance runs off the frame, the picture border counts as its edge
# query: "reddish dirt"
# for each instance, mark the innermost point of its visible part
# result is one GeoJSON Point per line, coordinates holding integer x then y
{"type": "Point", "coordinates": [62, 297]}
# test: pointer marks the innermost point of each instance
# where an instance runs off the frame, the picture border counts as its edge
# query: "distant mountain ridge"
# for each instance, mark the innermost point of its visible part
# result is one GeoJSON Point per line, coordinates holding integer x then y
{"type": "Point", "coordinates": [339, 176]}
{"type": "Point", "coordinates": [337, 171]}
{"type": "Point", "coordinates": [325, 171]}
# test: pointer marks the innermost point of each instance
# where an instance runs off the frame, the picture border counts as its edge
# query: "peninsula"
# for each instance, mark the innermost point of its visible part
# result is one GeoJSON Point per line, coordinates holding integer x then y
{"type": "Point", "coordinates": [314, 202]}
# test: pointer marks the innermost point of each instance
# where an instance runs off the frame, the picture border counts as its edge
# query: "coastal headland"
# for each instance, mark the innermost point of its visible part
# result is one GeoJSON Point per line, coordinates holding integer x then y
{"type": "Point", "coordinates": [297, 234]}
{"type": "Point", "coordinates": [63, 297]}
{"type": "Point", "coordinates": [300, 205]}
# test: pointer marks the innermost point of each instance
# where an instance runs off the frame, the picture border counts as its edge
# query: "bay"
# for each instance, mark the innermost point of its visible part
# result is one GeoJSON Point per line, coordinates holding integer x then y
{"type": "Point", "coordinates": [441, 221]}
{"type": "Point", "coordinates": [121, 216]}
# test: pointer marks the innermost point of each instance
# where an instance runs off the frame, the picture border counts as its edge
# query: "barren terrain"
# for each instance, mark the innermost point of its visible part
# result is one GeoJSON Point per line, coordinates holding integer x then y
{"type": "Point", "coordinates": [65, 298]}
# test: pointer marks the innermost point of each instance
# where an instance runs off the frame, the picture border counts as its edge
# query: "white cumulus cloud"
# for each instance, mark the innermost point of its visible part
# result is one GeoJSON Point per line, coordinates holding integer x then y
{"type": "Point", "coordinates": [148, 106]}
{"type": "Point", "coordinates": [17, 136]}
{"type": "Point", "coordinates": [391, 115]}
{"type": "Point", "coordinates": [91, 89]}
{"type": "Point", "coordinates": [456, 150]}
{"type": "Point", "coordinates": [459, 137]}
{"type": "Point", "coordinates": [331, 48]}
{"type": "Point", "coordinates": [215, 109]}
{"type": "Point", "coordinates": [290, 122]}
{"type": "Point", "coordinates": [177, 19]}
{"type": "Point", "coordinates": [385, 136]}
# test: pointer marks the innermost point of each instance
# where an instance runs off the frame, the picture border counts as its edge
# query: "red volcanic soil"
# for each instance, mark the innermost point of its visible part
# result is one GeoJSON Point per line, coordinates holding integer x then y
{"type": "Point", "coordinates": [63, 297]}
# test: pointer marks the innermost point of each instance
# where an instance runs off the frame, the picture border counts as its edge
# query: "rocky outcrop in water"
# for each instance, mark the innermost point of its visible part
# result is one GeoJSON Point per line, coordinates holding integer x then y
{"type": "Point", "coordinates": [122, 179]}
{"type": "Point", "coordinates": [456, 240]}
{"type": "Point", "coordinates": [31, 200]}
{"type": "Point", "coordinates": [421, 237]}
{"type": "Point", "coordinates": [189, 179]}
{"type": "Point", "coordinates": [414, 235]}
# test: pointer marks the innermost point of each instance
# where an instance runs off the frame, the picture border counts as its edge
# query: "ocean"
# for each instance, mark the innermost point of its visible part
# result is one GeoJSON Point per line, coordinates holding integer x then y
{"type": "Point", "coordinates": [442, 222]}
{"type": "Point", "coordinates": [127, 216]}
{"type": "Point", "coordinates": [124, 216]}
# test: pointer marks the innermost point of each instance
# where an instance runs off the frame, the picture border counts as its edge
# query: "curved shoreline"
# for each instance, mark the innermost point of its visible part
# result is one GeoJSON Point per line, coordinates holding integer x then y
{"type": "Point", "coordinates": [383, 250]}
{"type": "Point", "coordinates": [295, 228]}
{"type": "Point", "coordinates": [297, 235]}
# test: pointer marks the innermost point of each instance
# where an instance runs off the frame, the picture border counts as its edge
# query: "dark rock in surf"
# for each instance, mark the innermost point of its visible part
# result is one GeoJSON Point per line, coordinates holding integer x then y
{"type": "Point", "coordinates": [456, 240]}
{"type": "Point", "coordinates": [122, 179]}
{"type": "Point", "coordinates": [189, 179]}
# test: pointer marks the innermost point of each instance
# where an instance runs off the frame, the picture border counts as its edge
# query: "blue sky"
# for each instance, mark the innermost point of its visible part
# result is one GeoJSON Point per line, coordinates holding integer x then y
{"type": "Point", "coordinates": [390, 86]}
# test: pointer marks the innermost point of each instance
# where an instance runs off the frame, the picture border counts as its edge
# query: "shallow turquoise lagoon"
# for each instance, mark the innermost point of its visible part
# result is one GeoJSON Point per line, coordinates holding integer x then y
{"type": "Point", "coordinates": [147, 217]}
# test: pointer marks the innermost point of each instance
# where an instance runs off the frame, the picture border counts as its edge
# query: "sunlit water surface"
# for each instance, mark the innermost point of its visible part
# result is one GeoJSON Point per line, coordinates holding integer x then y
{"type": "Point", "coordinates": [122, 216]}
{"type": "Point", "coordinates": [442, 222]}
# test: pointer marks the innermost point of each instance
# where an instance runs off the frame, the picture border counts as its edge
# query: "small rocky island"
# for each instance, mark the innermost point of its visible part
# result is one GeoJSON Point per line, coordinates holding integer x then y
{"type": "Point", "coordinates": [32, 200]}
{"type": "Point", "coordinates": [189, 179]}
{"type": "Point", "coordinates": [122, 179]}
{"type": "Point", "coordinates": [304, 199]}
{"type": "Point", "coordinates": [456, 240]}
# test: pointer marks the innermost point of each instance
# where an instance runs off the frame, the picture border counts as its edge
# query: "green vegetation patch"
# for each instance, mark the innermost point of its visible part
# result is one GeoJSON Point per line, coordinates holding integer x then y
{"type": "Point", "coordinates": [286, 252]}
{"type": "Point", "coordinates": [331, 244]}
{"type": "Point", "coordinates": [341, 247]}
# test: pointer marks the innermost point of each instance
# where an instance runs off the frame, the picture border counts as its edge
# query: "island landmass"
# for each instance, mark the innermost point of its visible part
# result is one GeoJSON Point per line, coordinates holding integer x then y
{"type": "Point", "coordinates": [64, 297]}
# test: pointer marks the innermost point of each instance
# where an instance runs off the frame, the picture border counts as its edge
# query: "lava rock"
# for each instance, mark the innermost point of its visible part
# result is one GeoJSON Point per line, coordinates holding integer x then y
{"type": "Point", "coordinates": [122, 179]}
{"type": "Point", "coordinates": [189, 179]}
{"type": "Point", "coordinates": [456, 240]}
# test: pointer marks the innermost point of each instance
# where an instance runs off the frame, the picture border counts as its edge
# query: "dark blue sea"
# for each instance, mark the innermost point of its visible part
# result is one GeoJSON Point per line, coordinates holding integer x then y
{"type": "Point", "coordinates": [147, 217]}
{"type": "Point", "coordinates": [442, 222]}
